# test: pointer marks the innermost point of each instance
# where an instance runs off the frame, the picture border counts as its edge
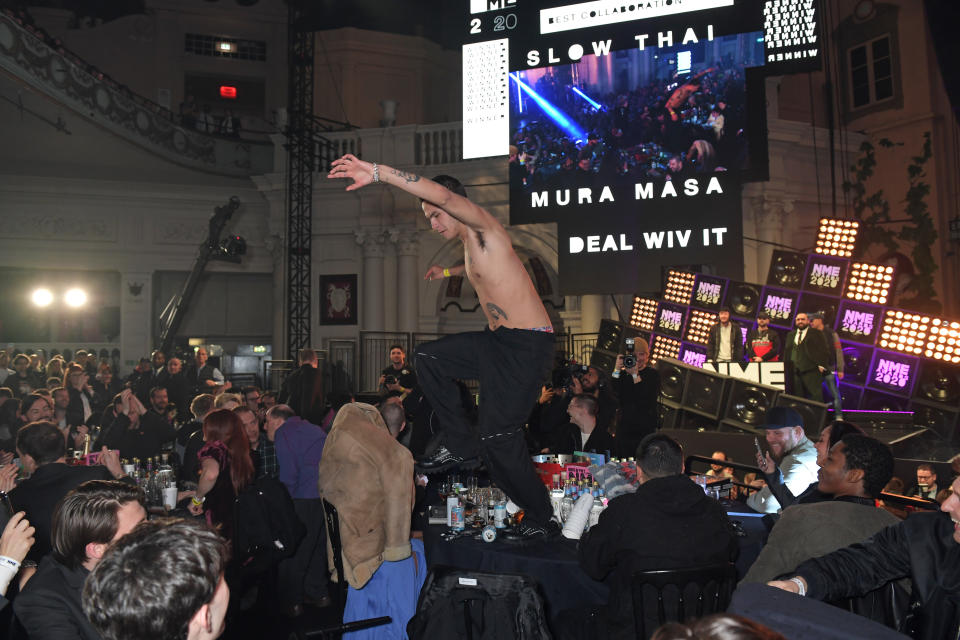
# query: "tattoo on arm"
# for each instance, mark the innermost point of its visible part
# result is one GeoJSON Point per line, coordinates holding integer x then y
{"type": "Point", "coordinates": [496, 312]}
{"type": "Point", "coordinates": [409, 177]}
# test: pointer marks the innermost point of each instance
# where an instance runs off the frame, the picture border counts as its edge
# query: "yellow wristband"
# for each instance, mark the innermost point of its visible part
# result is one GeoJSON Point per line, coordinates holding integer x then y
{"type": "Point", "coordinates": [198, 501]}
{"type": "Point", "coordinates": [446, 273]}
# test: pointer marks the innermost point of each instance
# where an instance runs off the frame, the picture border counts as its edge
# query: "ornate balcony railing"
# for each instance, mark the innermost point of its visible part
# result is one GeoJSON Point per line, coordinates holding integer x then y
{"type": "Point", "coordinates": [62, 76]}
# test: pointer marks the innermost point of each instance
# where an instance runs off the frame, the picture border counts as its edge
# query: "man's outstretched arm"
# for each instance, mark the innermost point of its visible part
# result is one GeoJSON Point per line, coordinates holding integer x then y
{"type": "Point", "coordinates": [349, 166]}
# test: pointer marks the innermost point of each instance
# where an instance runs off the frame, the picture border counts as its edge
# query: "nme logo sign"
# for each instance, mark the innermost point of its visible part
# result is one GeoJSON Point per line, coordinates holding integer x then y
{"type": "Point", "coordinates": [482, 6]}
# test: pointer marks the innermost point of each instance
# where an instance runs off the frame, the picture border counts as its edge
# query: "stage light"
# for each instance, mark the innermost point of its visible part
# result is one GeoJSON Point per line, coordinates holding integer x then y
{"type": "Point", "coordinates": [596, 105]}
{"type": "Point", "coordinates": [75, 298]}
{"type": "Point", "coordinates": [644, 313]}
{"type": "Point", "coordinates": [944, 342]}
{"type": "Point", "coordinates": [229, 92]}
{"type": "Point", "coordinates": [679, 286]}
{"type": "Point", "coordinates": [664, 347]}
{"type": "Point", "coordinates": [698, 326]}
{"type": "Point", "coordinates": [42, 297]}
{"type": "Point", "coordinates": [562, 120]}
{"type": "Point", "coordinates": [837, 237]}
{"type": "Point", "coordinates": [869, 282]}
{"type": "Point", "coordinates": [904, 331]}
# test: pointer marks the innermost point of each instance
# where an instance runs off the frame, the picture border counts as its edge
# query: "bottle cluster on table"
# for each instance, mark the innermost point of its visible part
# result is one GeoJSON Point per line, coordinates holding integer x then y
{"type": "Point", "coordinates": [153, 476]}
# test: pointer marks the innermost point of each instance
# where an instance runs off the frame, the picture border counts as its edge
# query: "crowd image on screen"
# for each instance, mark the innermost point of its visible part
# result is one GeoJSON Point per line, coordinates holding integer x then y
{"type": "Point", "coordinates": [668, 125]}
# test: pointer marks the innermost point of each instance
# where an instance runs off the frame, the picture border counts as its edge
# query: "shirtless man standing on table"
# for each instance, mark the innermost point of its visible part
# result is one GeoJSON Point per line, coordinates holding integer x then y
{"type": "Point", "coordinates": [511, 357]}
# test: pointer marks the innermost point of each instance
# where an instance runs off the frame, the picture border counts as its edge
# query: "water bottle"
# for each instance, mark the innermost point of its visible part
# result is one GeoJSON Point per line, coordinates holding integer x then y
{"type": "Point", "coordinates": [500, 515]}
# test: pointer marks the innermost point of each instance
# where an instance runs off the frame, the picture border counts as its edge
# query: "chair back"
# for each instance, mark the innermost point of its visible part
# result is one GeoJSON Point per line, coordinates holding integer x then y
{"type": "Point", "coordinates": [456, 604]}
{"type": "Point", "coordinates": [680, 594]}
{"type": "Point", "coordinates": [332, 519]}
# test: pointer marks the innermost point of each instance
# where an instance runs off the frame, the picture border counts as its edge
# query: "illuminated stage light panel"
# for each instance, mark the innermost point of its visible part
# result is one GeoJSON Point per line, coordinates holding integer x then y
{"type": "Point", "coordinates": [905, 332]}
{"type": "Point", "coordinates": [943, 342]}
{"type": "Point", "coordinates": [664, 347]}
{"type": "Point", "coordinates": [837, 237]}
{"type": "Point", "coordinates": [869, 282]}
{"type": "Point", "coordinates": [644, 313]}
{"type": "Point", "coordinates": [698, 326]}
{"type": "Point", "coordinates": [679, 286]}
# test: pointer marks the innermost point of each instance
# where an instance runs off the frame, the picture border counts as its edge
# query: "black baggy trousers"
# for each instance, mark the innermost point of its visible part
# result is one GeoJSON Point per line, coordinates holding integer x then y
{"type": "Point", "coordinates": [511, 365]}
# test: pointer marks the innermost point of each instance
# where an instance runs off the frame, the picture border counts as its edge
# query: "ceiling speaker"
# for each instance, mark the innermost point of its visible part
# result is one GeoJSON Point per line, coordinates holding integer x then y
{"type": "Point", "coordinates": [743, 299]}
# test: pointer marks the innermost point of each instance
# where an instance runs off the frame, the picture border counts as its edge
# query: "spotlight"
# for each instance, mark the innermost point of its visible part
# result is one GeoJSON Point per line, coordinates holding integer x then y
{"type": "Point", "coordinates": [679, 286]}
{"type": "Point", "coordinates": [225, 46]}
{"type": "Point", "coordinates": [869, 282]}
{"type": "Point", "coordinates": [644, 313]}
{"type": "Point", "coordinates": [664, 347]}
{"type": "Point", "coordinates": [698, 327]}
{"type": "Point", "coordinates": [837, 237]}
{"type": "Point", "coordinates": [906, 332]}
{"type": "Point", "coordinates": [42, 297]}
{"type": "Point", "coordinates": [561, 119]}
{"type": "Point", "coordinates": [75, 298]}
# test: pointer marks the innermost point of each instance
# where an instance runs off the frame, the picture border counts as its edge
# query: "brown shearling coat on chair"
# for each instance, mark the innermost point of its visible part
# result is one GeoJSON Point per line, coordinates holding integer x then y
{"type": "Point", "coordinates": [368, 476]}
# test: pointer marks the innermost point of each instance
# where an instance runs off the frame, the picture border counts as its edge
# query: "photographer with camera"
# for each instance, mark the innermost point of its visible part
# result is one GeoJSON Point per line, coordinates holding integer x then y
{"type": "Point", "coordinates": [397, 379]}
{"type": "Point", "coordinates": [637, 385]}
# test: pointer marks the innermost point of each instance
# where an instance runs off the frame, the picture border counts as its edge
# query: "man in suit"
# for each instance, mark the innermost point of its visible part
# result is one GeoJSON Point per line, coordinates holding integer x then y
{"type": "Point", "coordinates": [808, 358]}
{"type": "Point", "coordinates": [725, 343]}
{"type": "Point", "coordinates": [85, 523]}
{"type": "Point", "coordinates": [42, 453]}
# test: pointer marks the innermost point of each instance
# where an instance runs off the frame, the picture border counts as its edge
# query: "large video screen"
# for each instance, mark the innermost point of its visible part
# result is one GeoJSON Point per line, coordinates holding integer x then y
{"type": "Point", "coordinates": [631, 125]}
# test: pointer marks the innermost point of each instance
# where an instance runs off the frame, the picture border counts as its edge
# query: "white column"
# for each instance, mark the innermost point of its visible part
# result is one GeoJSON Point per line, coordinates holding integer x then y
{"type": "Point", "coordinates": [136, 309]}
{"type": "Point", "coordinates": [591, 312]}
{"type": "Point", "coordinates": [390, 279]}
{"type": "Point", "coordinates": [372, 279]}
{"type": "Point", "coordinates": [408, 279]}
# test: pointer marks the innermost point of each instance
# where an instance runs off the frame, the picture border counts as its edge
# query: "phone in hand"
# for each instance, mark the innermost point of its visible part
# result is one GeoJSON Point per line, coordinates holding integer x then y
{"type": "Point", "coordinates": [756, 442]}
{"type": "Point", "coordinates": [7, 505]}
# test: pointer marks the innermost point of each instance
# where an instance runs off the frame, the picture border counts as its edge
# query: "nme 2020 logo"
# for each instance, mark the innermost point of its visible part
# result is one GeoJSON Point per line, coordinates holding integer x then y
{"type": "Point", "coordinates": [482, 6]}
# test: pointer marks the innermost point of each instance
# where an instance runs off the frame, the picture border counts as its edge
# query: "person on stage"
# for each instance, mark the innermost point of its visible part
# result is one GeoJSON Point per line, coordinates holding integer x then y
{"type": "Point", "coordinates": [511, 357]}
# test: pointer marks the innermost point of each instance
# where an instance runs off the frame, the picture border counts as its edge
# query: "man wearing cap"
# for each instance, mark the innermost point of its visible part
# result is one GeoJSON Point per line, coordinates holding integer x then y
{"type": "Point", "coordinates": [763, 343]}
{"type": "Point", "coordinates": [726, 339]}
{"type": "Point", "coordinates": [792, 451]}
{"type": "Point", "coordinates": [836, 361]}
{"type": "Point", "coordinates": [808, 359]}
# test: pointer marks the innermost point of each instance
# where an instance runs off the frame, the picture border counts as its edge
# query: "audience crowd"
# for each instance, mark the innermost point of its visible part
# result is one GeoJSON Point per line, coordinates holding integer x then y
{"type": "Point", "coordinates": [90, 446]}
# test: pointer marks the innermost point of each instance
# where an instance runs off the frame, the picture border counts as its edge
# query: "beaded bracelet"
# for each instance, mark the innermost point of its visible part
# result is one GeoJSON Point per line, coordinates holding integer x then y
{"type": "Point", "coordinates": [376, 172]}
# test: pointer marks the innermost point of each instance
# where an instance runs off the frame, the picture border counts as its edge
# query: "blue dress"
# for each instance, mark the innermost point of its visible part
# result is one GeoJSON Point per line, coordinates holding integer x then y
{"type": "Point", "coordinates": [392, 591]}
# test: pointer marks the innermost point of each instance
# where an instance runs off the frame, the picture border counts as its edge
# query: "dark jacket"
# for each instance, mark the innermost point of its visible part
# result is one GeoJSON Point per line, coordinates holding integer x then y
{"type": "Point", "coordinates": [736, 336]}
{"type": "Point", "coordinates": [303, 392]}
{"type": "Point", "coordinates": [921, 548]}
{"type": "Point", "coordinates": [40, 493]}
{"type": "Point", "coordinates": [639, 404]}
{"type": "Point", "coordinates": [756, 342]}
{"type": "Point", "coordinates": [600, 441]}
{"type": "Point", "coordinates": [813, 352]}
{"type": "Point", "coordinates": [668, 523]}
{"type": "Point", "coordinates": [144, 442]}
{"type": "Point", "coordinates": [49, 607]}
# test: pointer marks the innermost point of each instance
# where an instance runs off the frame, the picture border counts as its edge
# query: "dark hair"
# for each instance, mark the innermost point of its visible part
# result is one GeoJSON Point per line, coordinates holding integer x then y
{"type": "Point", "coordinates": [589, 404]}
{"type": "Point", "coordinates": [724, 308]}
{"type": "Point", "coordinates": [307, 355]}
{"type": "Point", "coordinates": [926, 467]}
{"type": "Point", "coordinates": [224, 425]}
{"type": "Point", "coordinates": [202, 404]}
{"type": "Point", "coordinates": [269, 394]}
{"type": "Point", "coordinates": [841, 428]}
{"type": "Point", "coordinates": [151, 583]}
{"type": "Point", "coordinates": [450, 183]}
{"type": "Point", "coordinates": [155, 390]}
{"type": "Point", "coordinates": [28, 401]}
{"type": "Point", "coordinates": [247, 390]}
{"type": "Point", "coordinates": [19, 357]}
{"type": "Point", "coordinates": [659, 456]}
{"type": "Point", "coordinates": [393, 416]}
{"type": "Point", "coordinates": [42, 441]}
{"type": "Point", "coordinates": [396, 346]}
{"type": "Point", "coordinates": [88, 514]}
{"type": "Point", "coordinates": [718, 626]}
{"type": "Point", "coordinates": [873, 457]}
{"type": "Point", "coordinates": [6, 392]}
